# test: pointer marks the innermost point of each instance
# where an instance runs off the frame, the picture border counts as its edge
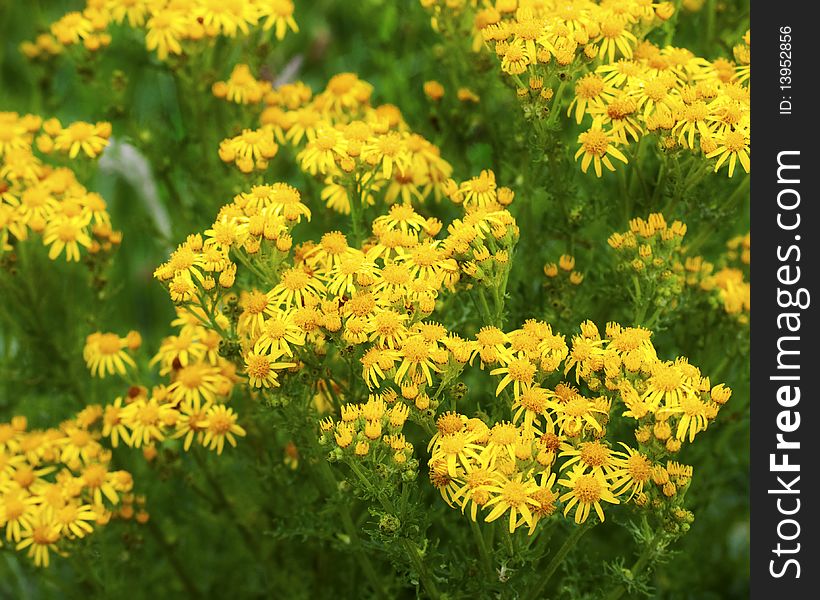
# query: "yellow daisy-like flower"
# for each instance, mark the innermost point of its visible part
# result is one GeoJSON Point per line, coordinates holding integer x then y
{"type": "Point", "coordinates": [416, 357]}
{"type": "Point", "coordinates": [73, 519]}
{"type": "Point", "coordinates": [261, 369]}
{"type": "Point", "coordinates": [516, 58]}
{"type": "Point", "coordinates": [592, 456]}
{"type": "Point", "coordinates": [226, 16]}
{"type": "Point", "coordinates": [591, 91]}
{"type": "Point", "coordinates": [734, 147]}
{"type": "Point", "coordinates": [295, 285]}
{"type": "Point", "coordinates": [72, 28]}
{"type": "Point", "coordinates": [667, 386]}
{"type": "Point", "coordinates": [278, 15]}
{"type": "Point", "coordinates": [615, 36]}
{"type": "Point", "coordinates": [196, 383]}
{"type": "Point", "coordinates": [105, 353]}
{"type": "Point", "coordinates": [40, 539]}
{"type": "Point", "coordinates": [634, 472]}
{"type": "Point", "coordinates": [166, 29]}
{"type": "Point", "coordinates": [134, 11]}
{"type": "Point", "coordinates": [89, 137]}
{"type": "Point", "coordinates": [456, 450]}
{"type": "Point", "coordinates": [516, 496]}
{"type": "Point", "coordinates": [66, 234]}
{"type": "Point", "coordinates": [147, 420]}
{"type": "Point", "coordinates": [220, 426]}
{"type": "Point", "coordinates": [321, 153]}
{"type": "Point", "coordinates": [278, 333]}
{"type": "Point", "coordinates": [520, 372]}
{"type": "Point", "coordinates": [586, 491]}
{"type": "Point", "coordinates": [480, 191]}
{"type": "Point", "coordinates": [253, 148]}
{"type": "Point", "coordinates": [597, 146]}
{"type": "Point", "coordinates": [242, 87]}
{"type": "Point", "coordinates": [17, 512]}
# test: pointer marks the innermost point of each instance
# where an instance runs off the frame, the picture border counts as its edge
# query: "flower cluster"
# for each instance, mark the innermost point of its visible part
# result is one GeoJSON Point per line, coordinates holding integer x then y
{"type": "Point", "coordinates": [372, 431]}
{"type": "Point", "coordinates": [564, 268]}
{"type": "Point", "coordinates": [250, 150]}
{"type": "Point", "coordinates": [47, 200]}
{"type": "Point", "coordinates": [360, 152]}
{"type": "Point", "coordinates": [241, 87]}
{"type": "Point", "coordinates": [650, 255]}
{"type": "Point", "coordinates": [694, 104]}
{"type": "Point", "coordinates": [625, 84]}
{"type": "Point", "coordinates": [57, 485]}
{"type": "Point", "coordinates": [556, 451]}
{"type": "Point", "coordinates": [191, 406]}
{"type": "Point", "coordinates": [170, 27]}
{"type": "Point", "coordinates": [331, 294]}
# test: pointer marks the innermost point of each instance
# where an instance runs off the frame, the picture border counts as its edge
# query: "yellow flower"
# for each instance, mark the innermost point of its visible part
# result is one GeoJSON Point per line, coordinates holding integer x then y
{"type": "Point", "coordinates": [592, 457]}
{"type": "Point", "coordinates": [591, 91]}
{"type": "Point", "coordinates": [596, 147]}
{"type": "Point", "coordinates": [586, 491]}
{"type": "Point", "coordinates": [321, 153]}
{"type": "Point", "coordinates": [615, 36]}
{"type": "Point", "coordinates": [734, 146]}
{"type": "Point", "coordinates": [387, 150]}
{"type": "Point", "coordinates": [433, 90]}
{"type": "Point", "coordinates": [520, 371]}
{"type": "Point", "coordinates": [88, 137]}
{"type": "Point", "coordinates": [516, 58]}
{"type": "Point", "coordinates": [147, 420]}
{"type": "Point", "coordinates": [166, 28]}
{"type": "Point", "coordinates": [261, 369]}
{"type": "Point", "coordinates": [40, 539]}
{"type": "Point", "coordinates": [72, 28]}
{"type": "Point", "coordinates": [242, 87]}
{"type": "Point", "coordinates": [250, 149]}
{"type": "Point", "coordinates": [194, 384]}
{"type": "Point", "coordinates": [515, 496]}
{"type": "Point", "coordinates": [17, 511]}
{"type": "Point", "coordinates": [73, 519]}
{"type": "Point", "coordinates": [226, 16]}
{"type": "Point", "coordinates": [279, 331]}
{"type": "Point", "coordinates": [133, 10]}
{"type": "Point", "coordinates": [279, 14]}
{"type": "Point", "coordinates": [66, 234]}
{"type": "Point", "coordinates": [220, 425]}
{"type": "Point", "coordinates": [481, 190]}
{"type": "Point", "coordinates": [295, 286]}
{"type": "Point", "coordinates": [104, 353]}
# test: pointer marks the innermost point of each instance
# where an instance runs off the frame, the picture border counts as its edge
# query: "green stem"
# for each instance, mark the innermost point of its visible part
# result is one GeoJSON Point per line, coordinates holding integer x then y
{"type": "Point", "coordinates": [639, 565]}
{"type": "Point", "coordinates": [556, 104]}
{"type": "Point", "coordinates": [351, 531]}
{"type": "Point", "coordinates": [409, 546]}
{"type": "Point", "coordinates": [557, 559]}
{"type": "Point", "coordinates": [660, 184]}
{"type": "Point", "coordinates": [171, 555]}
{"type": "Point", "coordinates": [385, 502]}
{"type": "Point", "coordinates": [356, 210]}
{"type": "Point", "coordinates": [484, 308]}
{"type": "Point", "coordinates": [426, 580]}
{"type": "Point", "coordinates": [486, 560]}
{"type": "Point", "coordinates": [710, 20]}
{"type": "Point", "coordinates": [672, 24]}
{"type": "Point", "coordinates": [245, 533]}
